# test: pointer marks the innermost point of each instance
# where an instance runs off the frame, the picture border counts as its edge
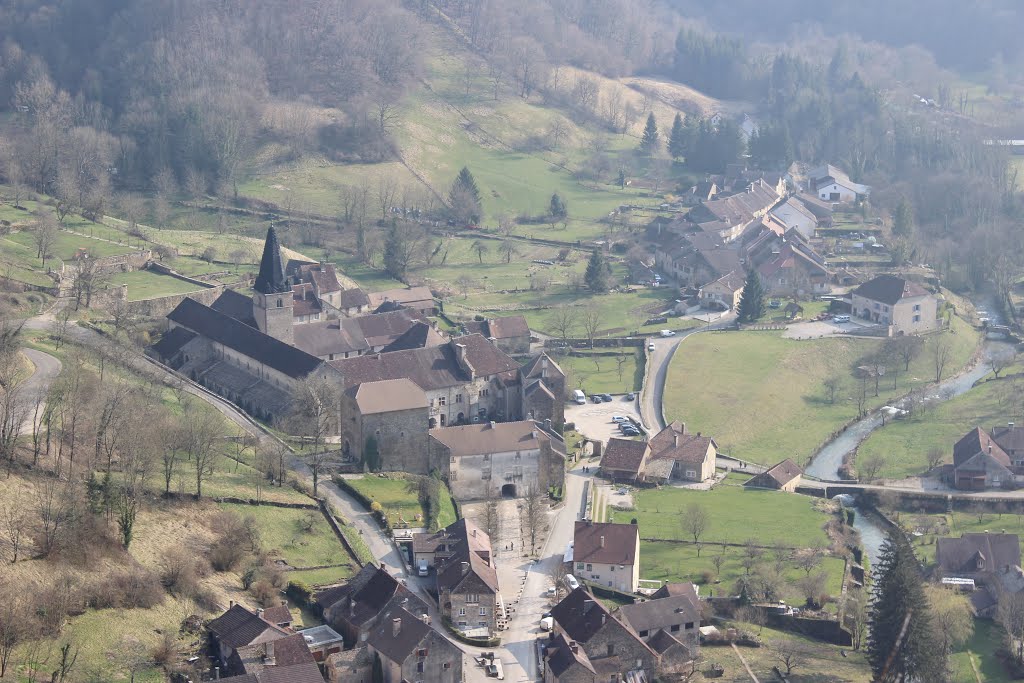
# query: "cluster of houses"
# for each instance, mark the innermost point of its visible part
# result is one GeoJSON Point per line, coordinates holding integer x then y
{"type": "Point", "coordinates": [421, 399]}
{"type": "Point", "coordinates": [589, 643]}
{"type": "Point", "coordinates": [746, 220]}
{"type": "Point", "coordinates": [741, 221]}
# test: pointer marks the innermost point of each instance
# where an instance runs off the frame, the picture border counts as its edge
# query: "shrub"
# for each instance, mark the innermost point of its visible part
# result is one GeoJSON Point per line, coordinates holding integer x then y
{"type": "Point", "coordinates": [299, 593]}
{"type": "Point", "coordinates": [135, 588]}
{"type": "Point", "coordinates": [225, 554]}
{"type": "Point", "coordinates": [180, 574]}
{"type": "Point", "coordinates": [707, 577]}
{"type": "Point", "coordinates": [264, 592]}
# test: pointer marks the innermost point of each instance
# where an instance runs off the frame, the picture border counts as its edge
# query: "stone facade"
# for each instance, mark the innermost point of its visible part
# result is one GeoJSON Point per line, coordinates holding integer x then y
{"type": "Point", "coordinates": [470, 604]}
{"type": "Point", "coordinates": [274, 316]}
{"type": "Point", "coordinates": [613, 639]}
{"type": "Point", "coordinates": [441, 663]}
{"type": "Point", "coordinates": [401, 437]}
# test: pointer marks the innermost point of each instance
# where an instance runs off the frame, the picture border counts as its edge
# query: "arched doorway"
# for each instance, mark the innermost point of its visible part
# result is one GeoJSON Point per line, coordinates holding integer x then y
{"type": "Point", "coordinates": [508, 491]}
{"type": "Point", "coordinates": [442, 419]}
{"type": "Point", "coordinates": [461, 418]}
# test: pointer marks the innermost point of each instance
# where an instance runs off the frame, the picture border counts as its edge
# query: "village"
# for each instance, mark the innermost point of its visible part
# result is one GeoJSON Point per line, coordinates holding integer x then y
{"type": "Point", "coordinates": [446, 443]}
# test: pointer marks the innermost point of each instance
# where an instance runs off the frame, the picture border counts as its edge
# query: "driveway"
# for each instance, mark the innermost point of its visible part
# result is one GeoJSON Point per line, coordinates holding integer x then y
{"type": "Point", "coordinates": [594, 420]}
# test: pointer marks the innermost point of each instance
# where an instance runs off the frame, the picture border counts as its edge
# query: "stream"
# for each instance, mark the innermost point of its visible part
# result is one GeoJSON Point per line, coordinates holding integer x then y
{"type": "Point", "coordinates": [826, 462]}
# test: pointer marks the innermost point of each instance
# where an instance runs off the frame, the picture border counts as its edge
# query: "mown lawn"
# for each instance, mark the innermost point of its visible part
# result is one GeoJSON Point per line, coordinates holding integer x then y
{"type": "Point", "coordinates": [400, 504]}
{"type": "Point", "coordinates": [988, 638]}
{"type": "Point", "coordinates": [596, 373]}
{"type": "Point", "coordinates": [762, 397]}
{"type": "Point", "coordinates": [737, 514]}
{"type": "Point", "coordinates": [67, 245]}
{"type": "Point", "coordinates": [904, 444]}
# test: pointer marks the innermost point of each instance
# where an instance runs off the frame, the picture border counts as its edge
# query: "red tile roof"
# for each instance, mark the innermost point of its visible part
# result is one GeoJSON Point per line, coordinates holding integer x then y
{"type": "Point", "coordinates": [605, 542]}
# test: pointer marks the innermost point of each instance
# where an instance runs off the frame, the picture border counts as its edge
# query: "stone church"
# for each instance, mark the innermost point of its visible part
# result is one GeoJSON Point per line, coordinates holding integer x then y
{"type": "Point", "coordinates": [397, 375]}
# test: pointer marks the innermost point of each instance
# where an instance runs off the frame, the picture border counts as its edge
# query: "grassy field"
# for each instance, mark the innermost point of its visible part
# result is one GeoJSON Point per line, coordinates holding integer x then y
{"type": "Point", "coordinates": [620, 312]}
{"type": "Point", "coordinates": [146, 284]}
{"type": "Point", "coordinates": [67, 245]}
{"type": "Point", "coordinates": [904, 444]}
{"type": "Point", "coordinates": [782, 519]}
{"type": "Point", "coordinates": [284, 537]}
{"type": "Point", "coordinates": [603, 376]}
{"type": "Point", "coordinates": [795, 521]}
{"type": "Point", "coordinates": [401, 505]}
{"type": "Point", "coordinates": [825, 664]}
{"type": "Point", "coordinates": [755, 386]}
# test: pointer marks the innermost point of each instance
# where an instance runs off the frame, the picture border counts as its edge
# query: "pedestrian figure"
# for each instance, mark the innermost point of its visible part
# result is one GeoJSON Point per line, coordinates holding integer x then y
{"type": "Point", "coordinates": [513, 545]}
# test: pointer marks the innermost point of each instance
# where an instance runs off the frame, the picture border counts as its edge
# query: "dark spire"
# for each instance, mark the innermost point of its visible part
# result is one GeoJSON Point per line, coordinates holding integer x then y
{"type": "Point", "coordinates": [271, 277]}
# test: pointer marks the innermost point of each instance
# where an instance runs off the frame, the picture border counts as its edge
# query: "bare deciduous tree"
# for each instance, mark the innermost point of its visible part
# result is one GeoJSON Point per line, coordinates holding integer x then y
{"type": "Point", "coordinates": [941, 352]}
{"type": "Point", "coordinates": [315, 411]}
{"type": "Point", "coordinates": [533, 514]}
{"type": "Point", "coordinates": [870, 467]}
{"type": "Point", "coordinates": [695, 521]}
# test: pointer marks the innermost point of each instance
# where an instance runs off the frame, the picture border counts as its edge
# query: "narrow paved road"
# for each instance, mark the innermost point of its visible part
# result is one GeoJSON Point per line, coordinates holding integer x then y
{"type": "Point", "coordinates": [46, 368]}
{"type": "Point", "coordinates": [658, 362]}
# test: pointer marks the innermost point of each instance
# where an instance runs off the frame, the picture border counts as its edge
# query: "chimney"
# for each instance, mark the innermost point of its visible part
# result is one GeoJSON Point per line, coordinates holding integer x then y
{"type": "Point", "coordinates": [604, 617]}
{"type": "Point", "coordinates": [259, 612]}
{"type": "Point", "coordinates": [460, 356]}
{"type": "Point", "coordinates": [492, 424]}
{"type": "Point", "coordinates": [574, 646]}
{"type": "Point", "coordinates": [590, 522]}
{"type": "Point", "coordinates": [543, 366]}
{"type": "Point", "coordinates": [533, 433]}
{"type": "Point", "coordinates": [676, 439]}
{"type": "Point", "coordinates": [1009, 425]}
{"type": "Point", "coordinates": [465, 568]}
{"type": "Point", "coordinates": [351, 607]}
{"type": "Point", "coordinates": [602, 541]}
{"type": "Point", "coordinates": [474, 533]}
{"type": "Point", "coordinates": [396, 627]}
{"type": "Point", "coordinates": [231, 603]}
{"type": "Point", "coordinates": [216, 673]}
{"type": "Point", "coordinates": [587, 604]}
{"type": "Point", "coordinates": [269, 659]}
{"type": "Point", "coordinates": [547, 424]}
{"type": "Point", "coordinates": [405, 601]}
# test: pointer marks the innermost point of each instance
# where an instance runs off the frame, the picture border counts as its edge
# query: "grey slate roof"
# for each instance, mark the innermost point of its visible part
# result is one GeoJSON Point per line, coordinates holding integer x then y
{"type": "Point", "coordinates": [172, 341]}
{"type": "Point", "coordinates": [271, 279]}
{"type": "Point", "coordinates": [410, 634]}
{"type": "Point", "coordinates": [890, 289]}
{"type": "Point", "coordinates": [236, 305]}
{"type": "Point", "coordinates": [960, 555]}
{"type": "Point", "coordinates": [238, 627]}
{"type": "Point", "coordinates": [661, 613]}
{"type": "Point", "coordinates": [237, 335]}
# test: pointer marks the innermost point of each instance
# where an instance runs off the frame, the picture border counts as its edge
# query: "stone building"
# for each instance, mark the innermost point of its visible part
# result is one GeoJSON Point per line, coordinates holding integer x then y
{"type": "Point", "coordinates": [905, 306]}
{"type": "Point", "coordinates": [410, 650]}
{"type": "Point", "coordinates": [613, 650]}
{"type": "Point", "coordinates": [394, 413]}
{"type": "Point", "coordinates": [511, 333]}
{"type": "Point", "coordinates": [499, 458]}
{"type": "Point", "coordinates": [356, 608]}
{"type": "Point", "coordinates": [461, 379]}
{"type": "Point", "coordinates": [542, 390]}
{"type": "Point", "coordinates": [466, 580]}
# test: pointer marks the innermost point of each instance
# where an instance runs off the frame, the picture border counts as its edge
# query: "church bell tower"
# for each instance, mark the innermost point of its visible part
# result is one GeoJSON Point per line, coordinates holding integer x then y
{"type": "Point", "coordinates": [272, 302]}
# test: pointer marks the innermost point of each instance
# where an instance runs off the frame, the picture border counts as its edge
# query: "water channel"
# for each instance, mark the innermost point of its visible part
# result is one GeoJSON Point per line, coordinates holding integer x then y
{"type": "Point", "coordinates": [826, 462]}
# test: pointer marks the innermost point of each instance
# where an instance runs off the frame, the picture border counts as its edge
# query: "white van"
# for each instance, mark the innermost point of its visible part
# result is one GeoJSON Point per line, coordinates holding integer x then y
{"type": "Point", "coordinates": [579, 397]}
{"type": "Point", "coordinates": [571, 582]}
{"type": "Point", "coordinates": [841, 318]}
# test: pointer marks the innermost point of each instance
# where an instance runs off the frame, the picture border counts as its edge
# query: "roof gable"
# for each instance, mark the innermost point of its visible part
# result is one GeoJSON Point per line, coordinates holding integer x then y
{"type": "Point", "coordinates": [890, 289]}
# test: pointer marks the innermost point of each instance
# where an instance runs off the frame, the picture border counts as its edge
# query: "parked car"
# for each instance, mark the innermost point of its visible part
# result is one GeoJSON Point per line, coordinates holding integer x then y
{"type": "Point", "coordinates": [618, 419]}
{"type": "Point", "coordinates": [667, 333]}
{"type": "Point", "coordinates": [650, 347]}
{"type": "Point", "coordinates": [597, 398]}
{"type": "Point", "coordinates": [631, 396]}
{"type": "Point", "coordinates": [607, 398]}
{"type": "Point", "coordinates": [630, 431]}
{"type": "Point", "coordinates": [547, 623]}
{"type": "Point", "coordinates": [571, 582]}
{"type": "Point", "coordinates": [423, 570]}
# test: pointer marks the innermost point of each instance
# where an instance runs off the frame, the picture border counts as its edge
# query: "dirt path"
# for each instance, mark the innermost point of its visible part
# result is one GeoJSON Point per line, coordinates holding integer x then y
{"type": "Point", "coordinates": [745, 665]}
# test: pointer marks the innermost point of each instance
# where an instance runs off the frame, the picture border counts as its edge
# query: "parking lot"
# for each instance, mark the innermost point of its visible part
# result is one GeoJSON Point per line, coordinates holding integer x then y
{"type": "Point", "coordinates": [814, 329]}
{"type": "Point", "coordinates": [594, 420]}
